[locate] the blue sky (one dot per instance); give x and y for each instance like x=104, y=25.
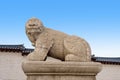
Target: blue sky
x=97, y=21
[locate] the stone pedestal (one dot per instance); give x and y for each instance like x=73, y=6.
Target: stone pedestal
x=44, y=70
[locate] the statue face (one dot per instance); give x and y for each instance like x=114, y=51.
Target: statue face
x=34, y=25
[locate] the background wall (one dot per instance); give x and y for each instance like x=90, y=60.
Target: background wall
x=109, y=72
x=10, y=66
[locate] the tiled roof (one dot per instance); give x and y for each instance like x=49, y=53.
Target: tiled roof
x=28, y=50
x=21, y=46
x=14, y=48
x=107, y=59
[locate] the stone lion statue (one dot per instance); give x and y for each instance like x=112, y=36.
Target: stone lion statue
x=49, y=42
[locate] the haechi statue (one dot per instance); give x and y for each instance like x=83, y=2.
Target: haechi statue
x=49, y=42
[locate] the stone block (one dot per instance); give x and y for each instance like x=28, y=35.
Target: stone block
x=45, y=70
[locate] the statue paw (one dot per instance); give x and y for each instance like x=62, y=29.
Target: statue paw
x=30, y=56
x=35, y=57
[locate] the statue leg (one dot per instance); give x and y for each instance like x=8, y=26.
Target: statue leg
x=42, y=47
x=38, y=55
x=40, y=52
x=76, y=49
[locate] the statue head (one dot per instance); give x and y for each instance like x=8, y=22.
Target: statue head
x=33, y=28
x=34, y=25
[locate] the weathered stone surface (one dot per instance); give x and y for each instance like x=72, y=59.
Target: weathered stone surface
x=55, y=44
x=43, y=70
x=73, y=52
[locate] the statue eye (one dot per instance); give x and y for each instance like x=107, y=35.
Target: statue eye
x=35, y=24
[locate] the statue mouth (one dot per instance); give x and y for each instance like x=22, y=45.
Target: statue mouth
x=33, y=30
x=33, y=24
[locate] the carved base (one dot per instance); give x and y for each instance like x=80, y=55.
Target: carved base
x=44, y=70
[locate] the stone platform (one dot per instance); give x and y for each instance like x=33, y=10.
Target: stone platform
x=43, y=70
